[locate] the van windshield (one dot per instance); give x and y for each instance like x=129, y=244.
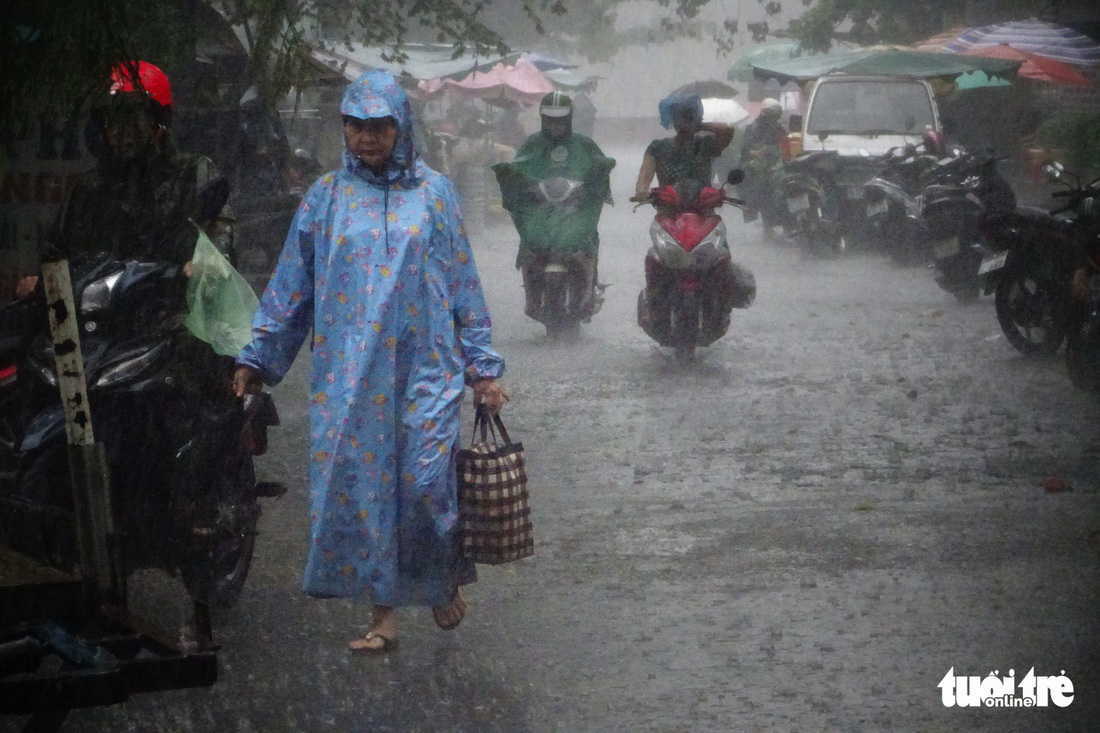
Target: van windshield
x=870, y=107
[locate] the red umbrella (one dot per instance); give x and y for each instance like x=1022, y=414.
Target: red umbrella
x=1034, y=66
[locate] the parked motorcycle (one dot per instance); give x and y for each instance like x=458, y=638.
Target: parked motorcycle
x=1083, y=338
x=893, y=204
x=814, y=202
x=691, y=283
x=179, y=446
x=556, y=218
x=960, y=190
x=1029, y=259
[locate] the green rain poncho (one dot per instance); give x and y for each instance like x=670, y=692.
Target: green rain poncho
x=543, y=225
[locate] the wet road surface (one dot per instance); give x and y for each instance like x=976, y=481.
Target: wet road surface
x=803, y=530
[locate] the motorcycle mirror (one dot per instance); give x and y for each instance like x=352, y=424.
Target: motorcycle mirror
x=212, y=198
x=735, y=176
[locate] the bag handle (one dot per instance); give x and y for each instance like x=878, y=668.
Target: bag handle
x=489, y=423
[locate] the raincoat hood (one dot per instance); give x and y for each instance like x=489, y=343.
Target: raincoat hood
x=377, y=94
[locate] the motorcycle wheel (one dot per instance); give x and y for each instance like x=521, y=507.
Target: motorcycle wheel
x=557, y=317
x=1083, y=356
x=684, y=354
x=1030, y=308
x=685, y=327
x=815, y=235
x=959, y=277
x=908, y=246
x=218, y=562
x=967, y=294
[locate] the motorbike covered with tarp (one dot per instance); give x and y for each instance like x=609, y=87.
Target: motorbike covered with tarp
x=555, y=202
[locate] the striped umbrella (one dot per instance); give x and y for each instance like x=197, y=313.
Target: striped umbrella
x=938, y=41
x=1035, y=36
x=1034, y=66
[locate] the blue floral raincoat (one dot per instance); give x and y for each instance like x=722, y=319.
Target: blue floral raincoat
x=379, y=267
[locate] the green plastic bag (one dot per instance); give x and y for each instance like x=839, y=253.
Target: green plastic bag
x=220, y=301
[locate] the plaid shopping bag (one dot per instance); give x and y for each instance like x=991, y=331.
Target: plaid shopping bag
x=494, y=518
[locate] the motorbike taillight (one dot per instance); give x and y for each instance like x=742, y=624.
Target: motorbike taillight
x=8, y=375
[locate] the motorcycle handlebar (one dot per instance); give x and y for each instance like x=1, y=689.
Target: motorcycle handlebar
x=652, y=199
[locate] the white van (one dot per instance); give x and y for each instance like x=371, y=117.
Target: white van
x=873, y=114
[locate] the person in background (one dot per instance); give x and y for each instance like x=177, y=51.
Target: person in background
x=508, y=129
x=470, y=156
x=688, y=153
x=140, y=199
x=378, y=268
x=762, y=161
x=545, y=226
x=685, y=160
x=584, y=114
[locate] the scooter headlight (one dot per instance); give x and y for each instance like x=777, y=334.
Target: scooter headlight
x=716, y=239
x=129, y=368
x=97, y=295
x=667, y=249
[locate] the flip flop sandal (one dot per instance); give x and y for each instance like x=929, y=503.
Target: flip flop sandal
x=440, y=616
x=388, y=645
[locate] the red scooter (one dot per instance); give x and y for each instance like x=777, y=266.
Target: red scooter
x=691, y=282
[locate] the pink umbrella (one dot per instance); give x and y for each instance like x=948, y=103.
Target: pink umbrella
x=522, y=83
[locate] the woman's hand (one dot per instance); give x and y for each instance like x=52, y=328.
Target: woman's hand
x=247, y=380
x=489, y=392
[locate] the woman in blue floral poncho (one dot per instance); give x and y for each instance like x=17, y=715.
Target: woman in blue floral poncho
x=378, y=266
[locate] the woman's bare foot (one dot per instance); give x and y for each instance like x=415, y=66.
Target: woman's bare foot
x=451, y=614
x=382, y=635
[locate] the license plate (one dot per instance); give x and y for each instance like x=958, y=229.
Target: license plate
x=946, y=248
x=855, y=192
x=877, y=207
x=798, y=203
x=993, y=262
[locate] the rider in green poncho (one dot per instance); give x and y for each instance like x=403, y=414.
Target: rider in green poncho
x=557, y=220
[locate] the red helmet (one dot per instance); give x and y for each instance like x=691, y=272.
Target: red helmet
x=151, y=79
x=151, y=85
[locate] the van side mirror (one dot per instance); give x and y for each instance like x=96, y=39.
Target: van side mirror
x=735, y=176
x=794, y=123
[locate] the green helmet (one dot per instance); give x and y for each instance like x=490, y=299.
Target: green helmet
x=556, y=104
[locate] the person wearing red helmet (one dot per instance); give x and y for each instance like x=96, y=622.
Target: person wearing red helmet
x=139, y=202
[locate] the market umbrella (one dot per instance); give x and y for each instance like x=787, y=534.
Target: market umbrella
x=937, y=42
x=568, y=80
x=709, y=89
x=1034, y=66
x=887, y=61
x=522, y=83
x=742, y=67
x=1056, y=42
